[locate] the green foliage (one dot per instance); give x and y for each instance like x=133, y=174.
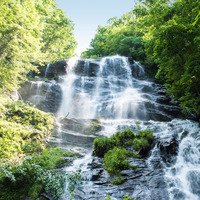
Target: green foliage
x=120, y=36
x=31, y=33
x=116, y=160
x=35, y=175
x=53, y=183
x=15, y=181
x=73, y=179
x=116, y=155
x=22, y=113
x=23, y=129
x=118, y=180
x=52, y=158
x=143, y=139
x=102, y=145
x=171, y=40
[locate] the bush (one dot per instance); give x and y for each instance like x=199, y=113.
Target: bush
x=116, y=160
x=114, y=153
x=23, y=130
x=118, y=181
x=143, y=139
x=147, y=134
x=102, y=146
x=143, y=142
x=52, y=158
x=54, y=183
x=29, y=179
x=16, y=181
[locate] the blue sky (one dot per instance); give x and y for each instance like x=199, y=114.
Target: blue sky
x=88, y=14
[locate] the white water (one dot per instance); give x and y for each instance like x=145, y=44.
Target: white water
x=118, y=99
x=109, y=95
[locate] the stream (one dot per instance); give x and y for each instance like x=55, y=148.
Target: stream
x=92, y=98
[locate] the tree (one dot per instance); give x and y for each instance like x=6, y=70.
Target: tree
x=172, y=41
x=120, y=36
x=32, y=32
x=20, y=41
x=58, y=40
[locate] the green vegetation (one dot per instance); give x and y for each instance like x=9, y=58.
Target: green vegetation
x=52, y=158
x=164, y=35
x=23, y=130
x=139, y=141
x=30, y=179
x=120, y=36
x=116, y=155
x=31, y=33
x=116, y=160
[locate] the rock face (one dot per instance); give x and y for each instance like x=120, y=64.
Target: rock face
x=47, y=96
x=85, y=126
x=56, y=69
x=87, y=67
x=143, y=183
x=169, y=149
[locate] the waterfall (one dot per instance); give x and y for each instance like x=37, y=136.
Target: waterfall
x=108, y=94
x=100, y=97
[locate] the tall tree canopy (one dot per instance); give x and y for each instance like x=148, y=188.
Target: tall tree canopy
x=161, y=33
x=31, y=32
x=120, y=36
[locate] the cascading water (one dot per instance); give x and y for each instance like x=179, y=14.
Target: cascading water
x=108, y=94
x=111, y=95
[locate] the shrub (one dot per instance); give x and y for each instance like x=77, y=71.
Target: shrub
x=23, y=129
x=16, y=181
x=73, y=179
x=52, y=158
x=54, y=183
x=143, y=141
x=102, y=145
x=148, y=134
x=29, y=179
x=116, y=160
x=118, y=180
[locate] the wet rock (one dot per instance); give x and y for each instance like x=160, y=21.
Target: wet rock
x=56, y=69
x=52, y=100
x=137, y=70
x=46, y=196
x=194, y=180
x=87, y=68
x=88, y=127
x=47, y=96
x=184, y=134
x=168, y=149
